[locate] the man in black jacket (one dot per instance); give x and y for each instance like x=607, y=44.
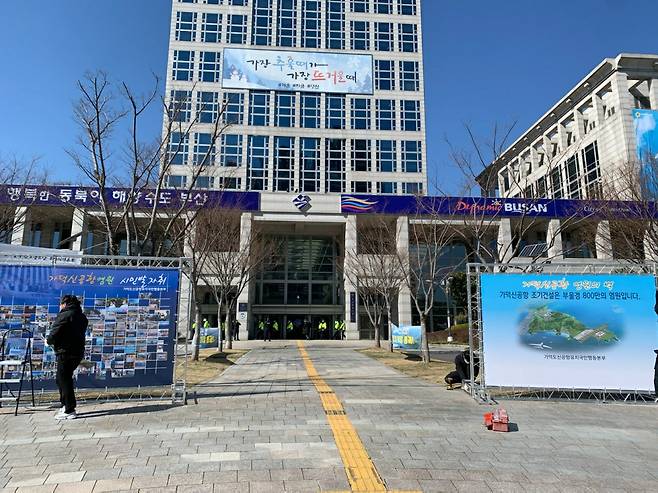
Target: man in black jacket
x=67, y=337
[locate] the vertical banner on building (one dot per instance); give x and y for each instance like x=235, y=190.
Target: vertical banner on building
x=306, y=71
x=571, y=331
x=132, y=321
x=645, y=123
x=352, y=307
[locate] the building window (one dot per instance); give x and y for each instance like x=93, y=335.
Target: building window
x=335, y=25
x=361, y=187
x=592, y=171
x=361, y=114
x=411, y=116
x=236, y=29
x=177, y=181
x=178, y=148
x=412, y=188
x=384, y=75
x=335, y=165
x=572, y=168
x=204, y=150
x=231, y=151
x=556, y=183
x=386, y=156
x=541, y=187
x=311, y=24
x=261, y=29
x=359, y=5
x=387, y=187
x=284, y=115
x=284, y=163
x=207, y=106
x=411, y=156
x=407, y=7
x=183, y=65
x=209, y=67
x=180, y=106
x=233, y=109
x=204, y=182
x=361, y=155
x=409, y=76
x=257, y=162
x=360, y=33
x=310, y=165
x=383, y=36
x=385, y=114
x=287, y=20
x=384, y=6
x=310, y=108
x=211, y=26
x=335, y=112
x=408, y=38
x=230, y=183
x=259, y=109
x=185, y=26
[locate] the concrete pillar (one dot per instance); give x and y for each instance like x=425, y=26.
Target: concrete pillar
x=245, y=317
x=78, y=227
x=351, y=315
x=650, y=247
x=21, y=218
x=554, y=240
x=653, y=93
x=603, y=241
x=505, y=250
x=404, y=296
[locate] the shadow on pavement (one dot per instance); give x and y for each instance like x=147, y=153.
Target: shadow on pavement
x=137, y=409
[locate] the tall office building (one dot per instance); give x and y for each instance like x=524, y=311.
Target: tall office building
x=321, y=96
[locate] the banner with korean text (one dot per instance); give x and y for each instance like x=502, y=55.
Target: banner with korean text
x=406, y=337
x=572, y=331
x=132, y=321
x=297, y=71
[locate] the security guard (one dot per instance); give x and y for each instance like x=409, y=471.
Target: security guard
x=322, y=329
x=341, y=330
x=336, y=329
x=289, y=328
x=261, y=329
x=275, y=328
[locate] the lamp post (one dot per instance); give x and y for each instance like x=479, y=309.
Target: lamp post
x=446, y=287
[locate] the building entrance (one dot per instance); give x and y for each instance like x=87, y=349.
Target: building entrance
x=297, y=326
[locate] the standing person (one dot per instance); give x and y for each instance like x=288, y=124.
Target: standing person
x=307, y=328
x=236, y=330
x=322, y=328
x=267, y=335
x=67, y=337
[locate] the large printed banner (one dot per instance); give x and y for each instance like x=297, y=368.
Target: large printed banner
x=297, y=71
x=646, y=137
x=132, y=321
x=406, y=337
x=571, y=331
x=493, y=207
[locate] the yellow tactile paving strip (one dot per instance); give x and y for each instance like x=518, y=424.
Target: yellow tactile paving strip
x=360, y=470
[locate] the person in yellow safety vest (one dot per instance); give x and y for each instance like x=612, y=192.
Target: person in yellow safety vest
x=193, y=330
x=206, y=324
x=322, y=329
x=339, y=329
x=261, y=329
x=336, y=329
x=342, y=330
x=289, y=328
x=275, y=326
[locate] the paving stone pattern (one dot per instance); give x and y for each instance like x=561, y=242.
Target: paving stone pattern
x=261, y=428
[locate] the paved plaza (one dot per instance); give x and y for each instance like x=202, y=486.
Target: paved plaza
x=264, y=426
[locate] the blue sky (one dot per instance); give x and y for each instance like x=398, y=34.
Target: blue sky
x=485, y=62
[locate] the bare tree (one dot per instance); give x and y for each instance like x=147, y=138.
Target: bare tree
x=139, y=167
x=375, y=270
x=238, y=252
x=421, y=263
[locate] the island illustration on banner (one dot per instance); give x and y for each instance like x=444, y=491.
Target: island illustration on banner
x=560, y=328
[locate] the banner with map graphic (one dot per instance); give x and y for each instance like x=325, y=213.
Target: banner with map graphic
x=569, y=331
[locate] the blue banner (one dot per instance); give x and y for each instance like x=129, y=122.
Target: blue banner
x=571, y=331
x=406, y=337
x=492, y=207
x=209, y=338
x=132, y=321
x=645, y=123
x=306, y=71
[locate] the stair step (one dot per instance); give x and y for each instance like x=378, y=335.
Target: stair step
x=10, y=380
x=8, y=399
x=11, y=362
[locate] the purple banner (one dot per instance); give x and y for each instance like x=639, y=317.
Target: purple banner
x=90, y=197
x=497, y=207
